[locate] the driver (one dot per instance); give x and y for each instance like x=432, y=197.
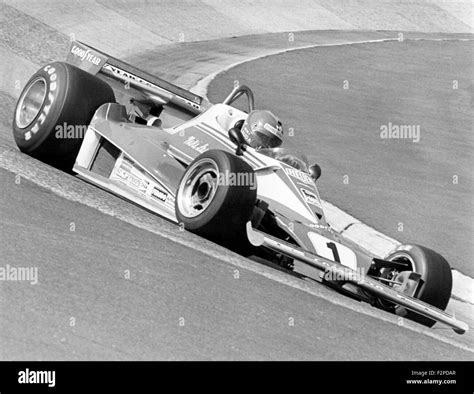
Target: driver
x=261, y=129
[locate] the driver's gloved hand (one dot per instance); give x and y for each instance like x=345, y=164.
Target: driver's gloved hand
x=237, y=128
x=238, y=124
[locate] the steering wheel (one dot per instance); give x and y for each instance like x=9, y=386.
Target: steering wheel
x=239, y=91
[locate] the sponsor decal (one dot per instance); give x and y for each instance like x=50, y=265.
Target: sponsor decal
x=246, y=134
x=132, y=180
x=196, y=144
x=167, y=95
x=310, y=197
x=85, y=55
x=323, y=227
x=275, y=131
x=133, y=77
x=300, y=175
x=138, y=180
x=159, y=194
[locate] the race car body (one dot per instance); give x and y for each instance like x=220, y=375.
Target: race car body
x=151, y=162
x=177, y=155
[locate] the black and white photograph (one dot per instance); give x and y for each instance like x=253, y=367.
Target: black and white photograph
x=247, y=181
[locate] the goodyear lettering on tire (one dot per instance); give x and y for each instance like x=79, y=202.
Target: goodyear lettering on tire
x=49, y=102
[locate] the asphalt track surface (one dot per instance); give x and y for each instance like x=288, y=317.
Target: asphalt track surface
x=84, y=307
x=382, y=182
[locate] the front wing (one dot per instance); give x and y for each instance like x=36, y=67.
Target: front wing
x=258, y=238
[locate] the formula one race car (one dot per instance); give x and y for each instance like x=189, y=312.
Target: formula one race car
x=179, y=156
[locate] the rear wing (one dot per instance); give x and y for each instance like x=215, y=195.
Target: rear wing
x=132, y=82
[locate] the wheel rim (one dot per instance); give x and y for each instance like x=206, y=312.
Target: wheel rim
x=30, y=103
x=395, y=275
x=198, y=188
x=403, y=257
x=391, y=276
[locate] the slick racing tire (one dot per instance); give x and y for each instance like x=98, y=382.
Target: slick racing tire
x=211, y=205
x=436, y=276
x=53, y=112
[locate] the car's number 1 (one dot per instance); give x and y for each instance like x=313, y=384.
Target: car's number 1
x=333, y=251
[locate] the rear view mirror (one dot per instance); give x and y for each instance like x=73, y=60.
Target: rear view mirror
x=315, y=170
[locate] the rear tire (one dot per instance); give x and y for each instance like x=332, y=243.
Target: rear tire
x=53, y=112
x=214, y=209
x=435, y=273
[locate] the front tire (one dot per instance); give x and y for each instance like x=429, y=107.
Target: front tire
x=53, y=112
x=435, y=273
x=209, y=204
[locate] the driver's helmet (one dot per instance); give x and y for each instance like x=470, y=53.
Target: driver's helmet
x=262, y=129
